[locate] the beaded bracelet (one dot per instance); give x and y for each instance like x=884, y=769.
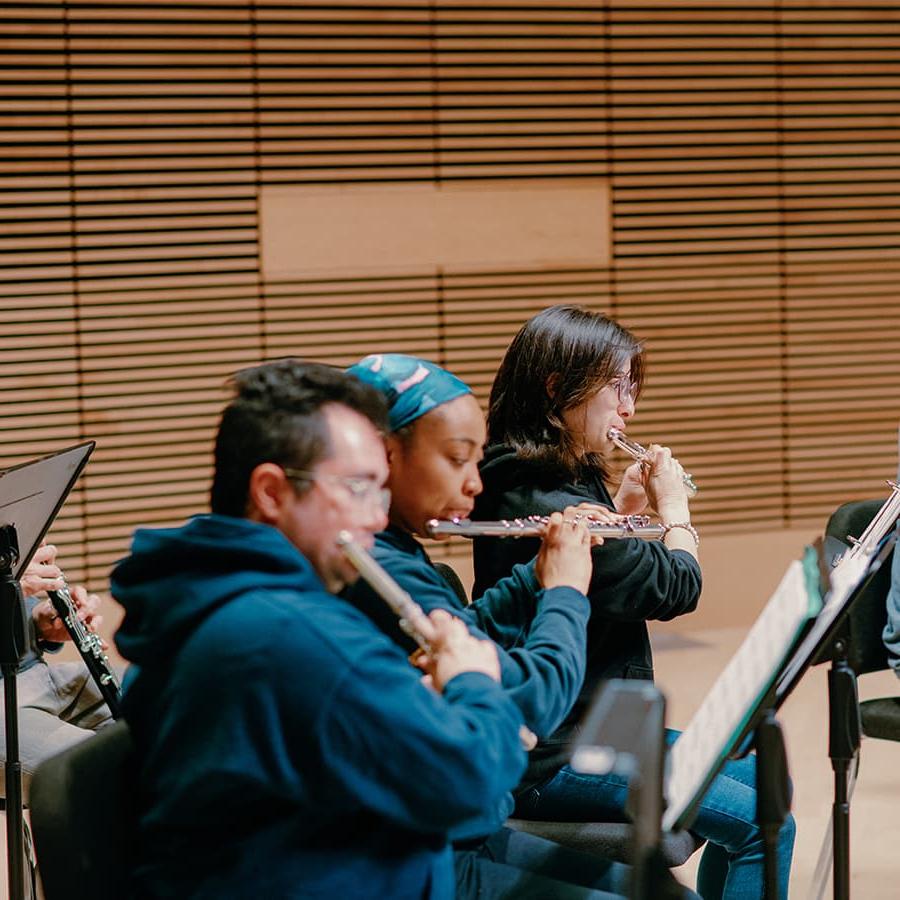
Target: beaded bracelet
x=686, y=526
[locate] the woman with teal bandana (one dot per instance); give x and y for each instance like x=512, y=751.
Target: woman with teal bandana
x=536, y=616
x=435, y=444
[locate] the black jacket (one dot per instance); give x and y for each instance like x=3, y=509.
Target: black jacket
x=633, y=580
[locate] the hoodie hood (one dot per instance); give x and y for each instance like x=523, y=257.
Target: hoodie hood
x=176, y=577
x=503, y=469
x=500, y=464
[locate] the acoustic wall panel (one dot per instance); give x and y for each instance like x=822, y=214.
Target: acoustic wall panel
x=742, y=157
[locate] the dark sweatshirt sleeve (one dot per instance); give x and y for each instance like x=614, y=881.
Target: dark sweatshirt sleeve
x=505, y=611
x=633, y=579
x=636, y=580
x=540, y=635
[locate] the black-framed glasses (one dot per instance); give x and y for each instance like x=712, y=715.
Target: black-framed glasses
x=361, y=489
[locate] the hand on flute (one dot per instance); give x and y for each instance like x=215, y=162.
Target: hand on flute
x=565, y=555
x=452, y=651
x=657, y=481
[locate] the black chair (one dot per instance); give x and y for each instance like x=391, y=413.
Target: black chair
x=449, y=574
x=865, y=621
x=83, y=817
x=611, y=840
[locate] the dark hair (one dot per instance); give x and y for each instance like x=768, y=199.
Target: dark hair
x=560, y=358
x=276, y=416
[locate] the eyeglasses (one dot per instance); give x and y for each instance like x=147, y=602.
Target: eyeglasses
x=624, y=387
x=362, y=490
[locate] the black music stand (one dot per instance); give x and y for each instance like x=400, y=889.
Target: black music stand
x=739, y=713
x=31, y=496
x=825, y=641
x=624, y=732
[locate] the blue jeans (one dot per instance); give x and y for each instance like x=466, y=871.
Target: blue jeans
x=732, y=864
x=519, y=866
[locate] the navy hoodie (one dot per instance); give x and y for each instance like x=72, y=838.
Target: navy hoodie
x=286, y=746
x=540, y=636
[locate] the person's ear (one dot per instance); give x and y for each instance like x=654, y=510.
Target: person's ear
x=393, y=448
x=267, y=492
x=551, y=385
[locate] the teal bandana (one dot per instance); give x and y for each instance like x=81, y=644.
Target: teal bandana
x=411, y=386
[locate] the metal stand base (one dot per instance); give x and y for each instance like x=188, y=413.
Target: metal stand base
x=773, y=795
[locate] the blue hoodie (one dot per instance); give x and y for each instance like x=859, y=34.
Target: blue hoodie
x=540, y=634
x=540, y=637
x=286, y=745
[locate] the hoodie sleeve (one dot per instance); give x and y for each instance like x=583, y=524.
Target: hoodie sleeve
x=636, y=580
x=424, y=761
x=540, y=635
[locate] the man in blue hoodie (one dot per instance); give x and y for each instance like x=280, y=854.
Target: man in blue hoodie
x=287, y=748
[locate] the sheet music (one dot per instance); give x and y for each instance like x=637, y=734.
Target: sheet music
x=698, y=753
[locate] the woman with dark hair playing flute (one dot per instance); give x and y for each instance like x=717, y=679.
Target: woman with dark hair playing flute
x=568, y=378
x=538, y=614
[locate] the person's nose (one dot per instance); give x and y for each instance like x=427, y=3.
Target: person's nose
x=376, y=515
x=627, y=407
x=472, y=486
x=379, y=520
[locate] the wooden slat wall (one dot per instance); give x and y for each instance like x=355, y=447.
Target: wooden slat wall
x=753, y=158
x=696, y=175
x=841, y=113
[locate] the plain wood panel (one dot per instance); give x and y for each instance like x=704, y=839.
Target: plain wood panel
x=451, y=228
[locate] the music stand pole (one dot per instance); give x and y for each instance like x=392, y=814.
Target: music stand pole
x=13, y=635
x=773, y=794
x=650, y=877
x=843, y=745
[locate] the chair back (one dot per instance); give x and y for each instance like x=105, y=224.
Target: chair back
x=449, y=574
x=868, y=615
x=84, y=817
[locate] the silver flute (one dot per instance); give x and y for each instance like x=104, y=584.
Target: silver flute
x=638, y=452
x=533, y=526
x=412, y=617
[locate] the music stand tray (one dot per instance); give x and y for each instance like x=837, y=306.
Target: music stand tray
x=33, y=493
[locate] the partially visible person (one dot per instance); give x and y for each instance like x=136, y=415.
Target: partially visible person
x=568, y=376
x=892, y=629
x=59, y=703
x=287, y=748
x=536, y=616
